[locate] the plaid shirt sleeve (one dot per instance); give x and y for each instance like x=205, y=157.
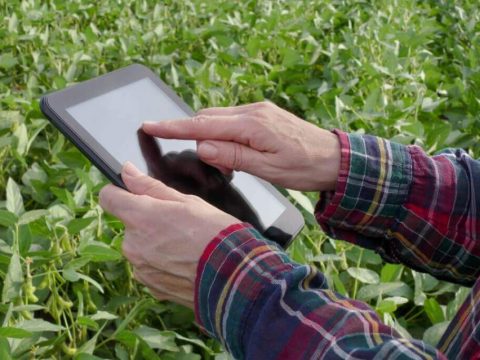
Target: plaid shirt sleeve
x=391, y=198
x=411, y=208
x=262, y=305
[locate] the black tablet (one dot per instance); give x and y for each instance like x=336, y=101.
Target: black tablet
x=103, y=118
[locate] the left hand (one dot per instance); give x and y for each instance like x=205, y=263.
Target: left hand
x=165, y=232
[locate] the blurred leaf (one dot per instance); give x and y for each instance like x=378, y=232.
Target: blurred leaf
x=73, y=276
x=100, y=253
x=419, y=297
x=77, y=225
x=162, y=340
x=386, y=306
x=434, y=311
x=13, y=279
x=5, y=353
x=86, y=356
x=7, y=218
x=302, y=200
x=21, y=136
x=368, y=292
x=14, y=198
x=31, y=216
x=434, y=333
x=88, y=322
x=7, y=61
x=364, y=275
x=103, y=315
x=12, y=332
x=390, y=272
x=37, y=325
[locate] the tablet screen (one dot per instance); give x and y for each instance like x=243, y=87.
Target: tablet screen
x=115, y=118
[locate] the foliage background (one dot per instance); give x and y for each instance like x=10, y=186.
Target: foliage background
x=402, y=69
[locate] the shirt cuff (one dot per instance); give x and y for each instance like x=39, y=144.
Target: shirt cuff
x=373, y=183
x=226, y=286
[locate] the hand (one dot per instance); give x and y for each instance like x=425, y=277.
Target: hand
x=186, y=173
x=165, y=232
x=263, y=140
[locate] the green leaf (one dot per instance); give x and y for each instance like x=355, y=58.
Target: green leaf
x=80, y=195
x=5, y=248
x=364, y=275
x=77, y=225
x=73, y=276
x=86, y=356
x=13, y=279
x=7, y=218
x=197, y=342
x=133, y=341
x=38, y=325
x=419, y=297
x=88, y=322
x=21, y=136
x=390, y=272
x=156, y=339
x=14, y=198
x=77, y=263
x=291, y=57
x=339, y=286
x=139, y=307
x=326, y=257
x=429, y=104
x=7, y=61
x=434, y=333
x=13, y=332
x=386, y=306
x=302, y=200
x=88, y=347
x=369, y=292
x=434, y=311
x=103, y=315
x=397, y=300
x=29, y=307
x=5, y=352
x=100, y=253
x=31, y=216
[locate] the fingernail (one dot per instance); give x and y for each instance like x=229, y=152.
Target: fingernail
x=131, y=170
x=148, y=123
x=207, y=150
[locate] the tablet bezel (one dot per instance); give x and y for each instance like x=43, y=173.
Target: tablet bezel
x=54, y=106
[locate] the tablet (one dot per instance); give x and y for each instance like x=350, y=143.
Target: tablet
x=103, y=118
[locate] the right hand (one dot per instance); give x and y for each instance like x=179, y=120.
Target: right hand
x=263, y=140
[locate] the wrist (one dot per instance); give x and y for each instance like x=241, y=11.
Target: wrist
x=327, y=161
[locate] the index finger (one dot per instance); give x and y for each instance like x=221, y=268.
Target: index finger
x=228, y=110
x=235, y=128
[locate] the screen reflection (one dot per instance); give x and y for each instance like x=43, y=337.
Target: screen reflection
x=185, y=172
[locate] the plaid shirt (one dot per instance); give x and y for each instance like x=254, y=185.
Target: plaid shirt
x=419, y=210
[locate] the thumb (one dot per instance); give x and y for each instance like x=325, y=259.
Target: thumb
x=141, y=184
x=230, y=155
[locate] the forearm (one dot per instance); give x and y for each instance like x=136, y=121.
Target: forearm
x=262, y=305
x=411, y=208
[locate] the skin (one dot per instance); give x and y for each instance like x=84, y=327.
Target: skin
x=166, y=231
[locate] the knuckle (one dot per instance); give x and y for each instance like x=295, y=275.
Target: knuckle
x=237, y=157
x=189, y=198
x=256, y=121
x=199, y=119
x=257, y=115
x=263, y=105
